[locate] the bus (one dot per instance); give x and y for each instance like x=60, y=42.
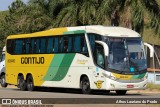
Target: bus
x=89, y=58
x=2, y=68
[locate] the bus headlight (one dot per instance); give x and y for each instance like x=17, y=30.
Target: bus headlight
x=109, y=76
x=113, y=78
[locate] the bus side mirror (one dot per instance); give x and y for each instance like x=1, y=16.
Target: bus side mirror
x=105, y=46
x=150, y=48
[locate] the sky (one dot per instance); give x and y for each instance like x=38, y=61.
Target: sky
x=5, y=3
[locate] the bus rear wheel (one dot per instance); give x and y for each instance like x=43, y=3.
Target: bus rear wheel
x=85, y=85
x=30, y=83
x=121, y=92
x=3, y=82
x=21, y=83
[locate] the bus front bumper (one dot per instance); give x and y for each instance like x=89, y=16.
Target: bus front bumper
x=115, y=85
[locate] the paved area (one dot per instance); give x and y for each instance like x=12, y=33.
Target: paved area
x=14, y=92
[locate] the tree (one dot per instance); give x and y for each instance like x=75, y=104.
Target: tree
x=24, y=18
x=76, y=13
x=131, y=13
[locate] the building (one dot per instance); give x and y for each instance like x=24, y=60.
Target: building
x=153, y=76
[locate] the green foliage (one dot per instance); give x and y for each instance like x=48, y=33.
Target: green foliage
x=152, y=86
x=39, y=15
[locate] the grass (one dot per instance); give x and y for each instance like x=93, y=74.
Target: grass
x=152, y=86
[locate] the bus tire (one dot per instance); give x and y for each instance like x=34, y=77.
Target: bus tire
x=3, y=82
x=85, y=85
x=121, y=92
x=30, y=83
x=22, y=83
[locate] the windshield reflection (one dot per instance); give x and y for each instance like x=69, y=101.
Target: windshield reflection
x=126, y=54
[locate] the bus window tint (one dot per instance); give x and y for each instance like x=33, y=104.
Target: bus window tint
x=50, y=45
x=47, y=45
x=43, y=45
x=37, y=45
x=92, y=38
x=83, y=44
x=27, y=47
x=92, y=42
x=70, y=44
x=18, y=46
x=61, y=42
x=77, y=44
x=10, y=46
x=56, y=45
x=65, y=44
x=33, y=45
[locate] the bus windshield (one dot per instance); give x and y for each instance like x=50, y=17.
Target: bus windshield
x=126, y=55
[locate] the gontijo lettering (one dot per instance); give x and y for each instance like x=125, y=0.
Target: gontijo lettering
x=32, y=60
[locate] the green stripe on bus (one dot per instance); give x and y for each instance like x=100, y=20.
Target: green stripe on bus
x=68, y=32
x=79, y=31
x=54, y=66
x=135, y=76
x=141, y=76
x=138, y=76
x=64, y=67
x=75, y=32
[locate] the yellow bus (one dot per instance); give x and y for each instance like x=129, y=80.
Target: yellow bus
x=85, y=57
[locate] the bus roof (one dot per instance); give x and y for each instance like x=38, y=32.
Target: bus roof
x=98, y=29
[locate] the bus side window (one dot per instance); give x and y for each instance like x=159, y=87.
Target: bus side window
x=100, y=56
x=77, y=44
x=33, y=47
x=18, y=46
x=43, y=45
x=61, y=44
x=83, y=44
x=50, y=45
x=92, y=42
x=56, y=43
x=28, y=46
x=10, y=46
x=37, y=42
x=70, y=44
x=65, y=43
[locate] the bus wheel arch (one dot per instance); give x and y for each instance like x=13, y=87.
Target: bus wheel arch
x=85, y=84
x=30, y=82
x=2, y=80
x=21, y=83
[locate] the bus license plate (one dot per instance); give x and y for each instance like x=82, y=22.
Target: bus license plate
x=130, y=86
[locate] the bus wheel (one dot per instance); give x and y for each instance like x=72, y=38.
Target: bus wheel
x=3, y=82
x=22, y=83
x=121, y=92
x=30, y=84
x=85, y=85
